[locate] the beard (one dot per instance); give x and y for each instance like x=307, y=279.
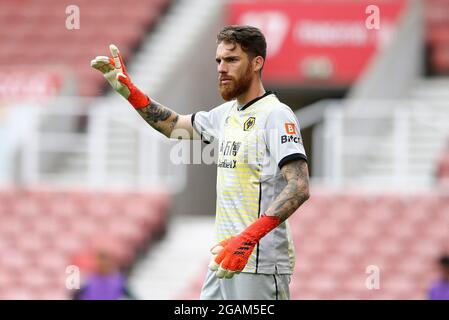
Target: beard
x=237, y=86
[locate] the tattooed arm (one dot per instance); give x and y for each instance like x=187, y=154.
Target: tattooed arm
x=295, y=193
x=165, y=120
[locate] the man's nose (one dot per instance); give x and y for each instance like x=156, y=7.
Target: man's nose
x=221, y=68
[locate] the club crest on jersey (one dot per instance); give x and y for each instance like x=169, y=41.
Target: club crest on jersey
x=249, y=124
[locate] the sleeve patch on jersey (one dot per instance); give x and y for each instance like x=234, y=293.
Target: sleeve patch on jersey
x=290, y=128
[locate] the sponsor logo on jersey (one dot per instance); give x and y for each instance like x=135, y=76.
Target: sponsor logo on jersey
x=290, y=128
x=290, y=138
x=227, y=164
x=230, y=148
x=249, y=123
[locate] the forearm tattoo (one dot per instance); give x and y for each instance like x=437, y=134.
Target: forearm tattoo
x=159, y=117
x=295, y=193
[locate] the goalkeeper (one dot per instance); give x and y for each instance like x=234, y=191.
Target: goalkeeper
x=262, y=173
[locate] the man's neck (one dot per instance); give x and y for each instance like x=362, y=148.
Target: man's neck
x=255, y=90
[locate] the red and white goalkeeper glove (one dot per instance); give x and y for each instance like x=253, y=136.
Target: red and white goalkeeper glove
x=114, y=70
x=231, y=255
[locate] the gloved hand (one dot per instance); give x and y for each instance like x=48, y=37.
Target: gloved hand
x=231, y=255
x=215, y=250
x=114, y=71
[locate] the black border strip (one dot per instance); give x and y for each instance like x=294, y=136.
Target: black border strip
x=280, y=309
x=291, y=157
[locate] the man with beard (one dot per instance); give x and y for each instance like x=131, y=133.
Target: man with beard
x=262, y=173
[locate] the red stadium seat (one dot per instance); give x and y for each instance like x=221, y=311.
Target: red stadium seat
x=34, y=33
x=15, y=260
x=129, y=232
x=45, y=232
x=402, y=235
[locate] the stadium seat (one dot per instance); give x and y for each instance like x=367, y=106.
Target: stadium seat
x=339, y=246
x=47, y=231
x=33, y=33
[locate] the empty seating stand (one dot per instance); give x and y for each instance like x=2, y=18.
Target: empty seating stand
x=341, y=238
x=35, y=33
x=42, y=233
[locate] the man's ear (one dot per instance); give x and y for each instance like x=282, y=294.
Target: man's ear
x=258, y=63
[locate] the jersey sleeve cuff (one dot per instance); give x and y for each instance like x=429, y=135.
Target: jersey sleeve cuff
x=291, y=157
x=192, y=120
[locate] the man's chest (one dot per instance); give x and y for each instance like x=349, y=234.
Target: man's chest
x=242, y=139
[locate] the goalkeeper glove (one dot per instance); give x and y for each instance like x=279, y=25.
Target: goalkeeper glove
x=114, y=70
x=231, y=255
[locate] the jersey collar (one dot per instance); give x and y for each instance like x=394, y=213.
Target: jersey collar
x=254, y=101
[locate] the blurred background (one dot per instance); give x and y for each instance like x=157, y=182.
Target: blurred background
x=86, y=187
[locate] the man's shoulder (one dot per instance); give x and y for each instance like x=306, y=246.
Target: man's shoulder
x=224, y=106
x=276, y=107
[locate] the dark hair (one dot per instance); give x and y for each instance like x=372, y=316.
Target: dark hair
x=251, y=39
x=444, y=260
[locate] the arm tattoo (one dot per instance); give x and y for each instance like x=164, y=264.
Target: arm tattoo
x=159, y=117
x=295, y=193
